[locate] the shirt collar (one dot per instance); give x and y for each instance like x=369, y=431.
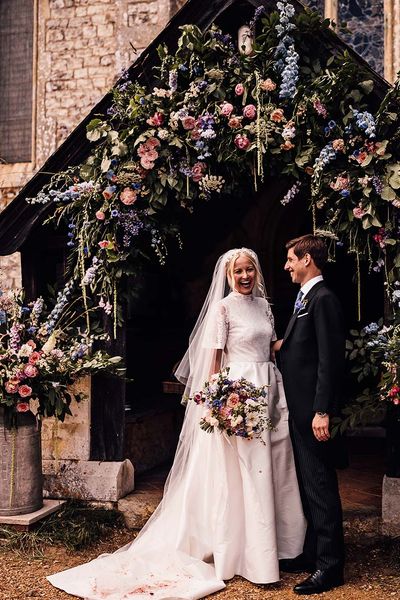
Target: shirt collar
x=310, y=284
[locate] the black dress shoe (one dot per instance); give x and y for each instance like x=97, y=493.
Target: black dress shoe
x=296, y=565
x=320, y=581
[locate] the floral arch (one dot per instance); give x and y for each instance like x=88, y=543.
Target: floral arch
x=215, y=116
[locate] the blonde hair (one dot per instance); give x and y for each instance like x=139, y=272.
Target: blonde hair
x=231, y=258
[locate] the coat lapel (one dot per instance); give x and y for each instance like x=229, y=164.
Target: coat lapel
x=307, y=297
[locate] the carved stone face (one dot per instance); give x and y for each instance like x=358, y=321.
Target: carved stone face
x=245, y=40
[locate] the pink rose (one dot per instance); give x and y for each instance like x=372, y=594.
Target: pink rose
x=146, y=163
x=198, y=171
x=268, y=85
x=31, y=343
x=188, y=122
x=242, y=141
x=235, y=122
x=30, y=371
x=128, y=196
x=34, y=357
x=11, y=386
x=239, y=89
x=232, y=400
x=24, y=391
x=249, y=111
x=100, y=215
x=22, y=407
x=195, y=134
x=156, y=120
x=104, y=244
x=277, y=115
x=358, y=212
x=226, y=109
x=151, y=155
x=152, y=142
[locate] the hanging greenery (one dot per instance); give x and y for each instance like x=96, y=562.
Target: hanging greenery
x=214, y=120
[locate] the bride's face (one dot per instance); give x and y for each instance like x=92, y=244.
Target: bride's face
x=244, y=275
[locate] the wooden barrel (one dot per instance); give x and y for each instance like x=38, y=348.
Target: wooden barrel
x=21, y=479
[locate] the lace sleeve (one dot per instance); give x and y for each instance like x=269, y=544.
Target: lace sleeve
x=272, y=321
x=217, y=329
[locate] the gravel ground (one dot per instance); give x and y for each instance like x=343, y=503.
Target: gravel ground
x=372, y=571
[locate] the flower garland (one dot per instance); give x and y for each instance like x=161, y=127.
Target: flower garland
x=215, y=118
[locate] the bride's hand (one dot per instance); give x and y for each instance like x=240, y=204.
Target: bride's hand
x=276, y=346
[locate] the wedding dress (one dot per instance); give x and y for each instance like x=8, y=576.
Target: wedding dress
x=233, y=507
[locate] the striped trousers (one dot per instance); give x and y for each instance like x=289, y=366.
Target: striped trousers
x=324, y=543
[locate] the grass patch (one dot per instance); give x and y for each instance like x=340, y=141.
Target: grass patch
x=75, y=526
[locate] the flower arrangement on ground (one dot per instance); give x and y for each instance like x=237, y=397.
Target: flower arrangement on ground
x=235, y=407
x=42, y=354
x=374, y=353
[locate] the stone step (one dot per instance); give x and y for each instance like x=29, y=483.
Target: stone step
x=138, y=506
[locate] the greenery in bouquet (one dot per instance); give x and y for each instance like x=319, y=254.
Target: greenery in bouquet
x=43, y=353
x=235, y=407
x=374, y=353
x=211, y=121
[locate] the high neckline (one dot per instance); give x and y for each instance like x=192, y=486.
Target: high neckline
x=245, y=297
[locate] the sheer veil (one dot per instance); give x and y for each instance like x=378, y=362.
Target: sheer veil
x=195, y=367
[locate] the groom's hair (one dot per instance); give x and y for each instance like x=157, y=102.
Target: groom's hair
x=312, y=245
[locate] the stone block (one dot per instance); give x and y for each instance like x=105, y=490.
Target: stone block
x=138, y=507
x=391, y=506
x=88, y=480
x=69, y=440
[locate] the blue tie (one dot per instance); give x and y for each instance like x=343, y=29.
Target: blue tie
x=298, y=304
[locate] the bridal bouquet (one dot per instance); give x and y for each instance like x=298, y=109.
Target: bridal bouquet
x=236, y=407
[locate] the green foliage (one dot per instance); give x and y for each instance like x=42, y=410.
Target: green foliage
x=75, y=526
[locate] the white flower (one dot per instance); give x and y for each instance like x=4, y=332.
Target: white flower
x=25, y=350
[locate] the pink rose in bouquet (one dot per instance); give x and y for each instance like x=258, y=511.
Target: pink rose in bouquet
x=22, y=407
x=24, y=390
x=128, y=196
x=226, y=109
x=235, y=122
x=198, y=171
x=242, y=141
x=100, y=215
x=30, y=370
x=239, y=89
x=34, y=357
x=249, y=111
x=11, y=386
x=189, y=122
x=156, y=120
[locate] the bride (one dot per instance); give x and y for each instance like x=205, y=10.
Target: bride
x=231, y=506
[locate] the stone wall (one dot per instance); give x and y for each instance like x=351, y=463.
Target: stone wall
x=81, y=48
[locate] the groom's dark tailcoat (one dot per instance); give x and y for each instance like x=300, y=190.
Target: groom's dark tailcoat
x=312, y=361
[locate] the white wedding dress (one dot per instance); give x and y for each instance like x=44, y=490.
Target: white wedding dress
x=232, y=506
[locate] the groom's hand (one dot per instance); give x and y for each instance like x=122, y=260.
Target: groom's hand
x=320, y=427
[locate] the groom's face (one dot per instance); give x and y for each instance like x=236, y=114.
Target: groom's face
x=296, y=267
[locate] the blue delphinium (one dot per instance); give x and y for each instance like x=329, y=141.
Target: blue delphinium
x=62, y=299
x=288, y=197
x=365, y=122
x=285, y=55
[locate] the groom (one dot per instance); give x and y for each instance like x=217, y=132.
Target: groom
x=312, y=361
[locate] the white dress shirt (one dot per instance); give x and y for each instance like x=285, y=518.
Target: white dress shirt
x=310, y=284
